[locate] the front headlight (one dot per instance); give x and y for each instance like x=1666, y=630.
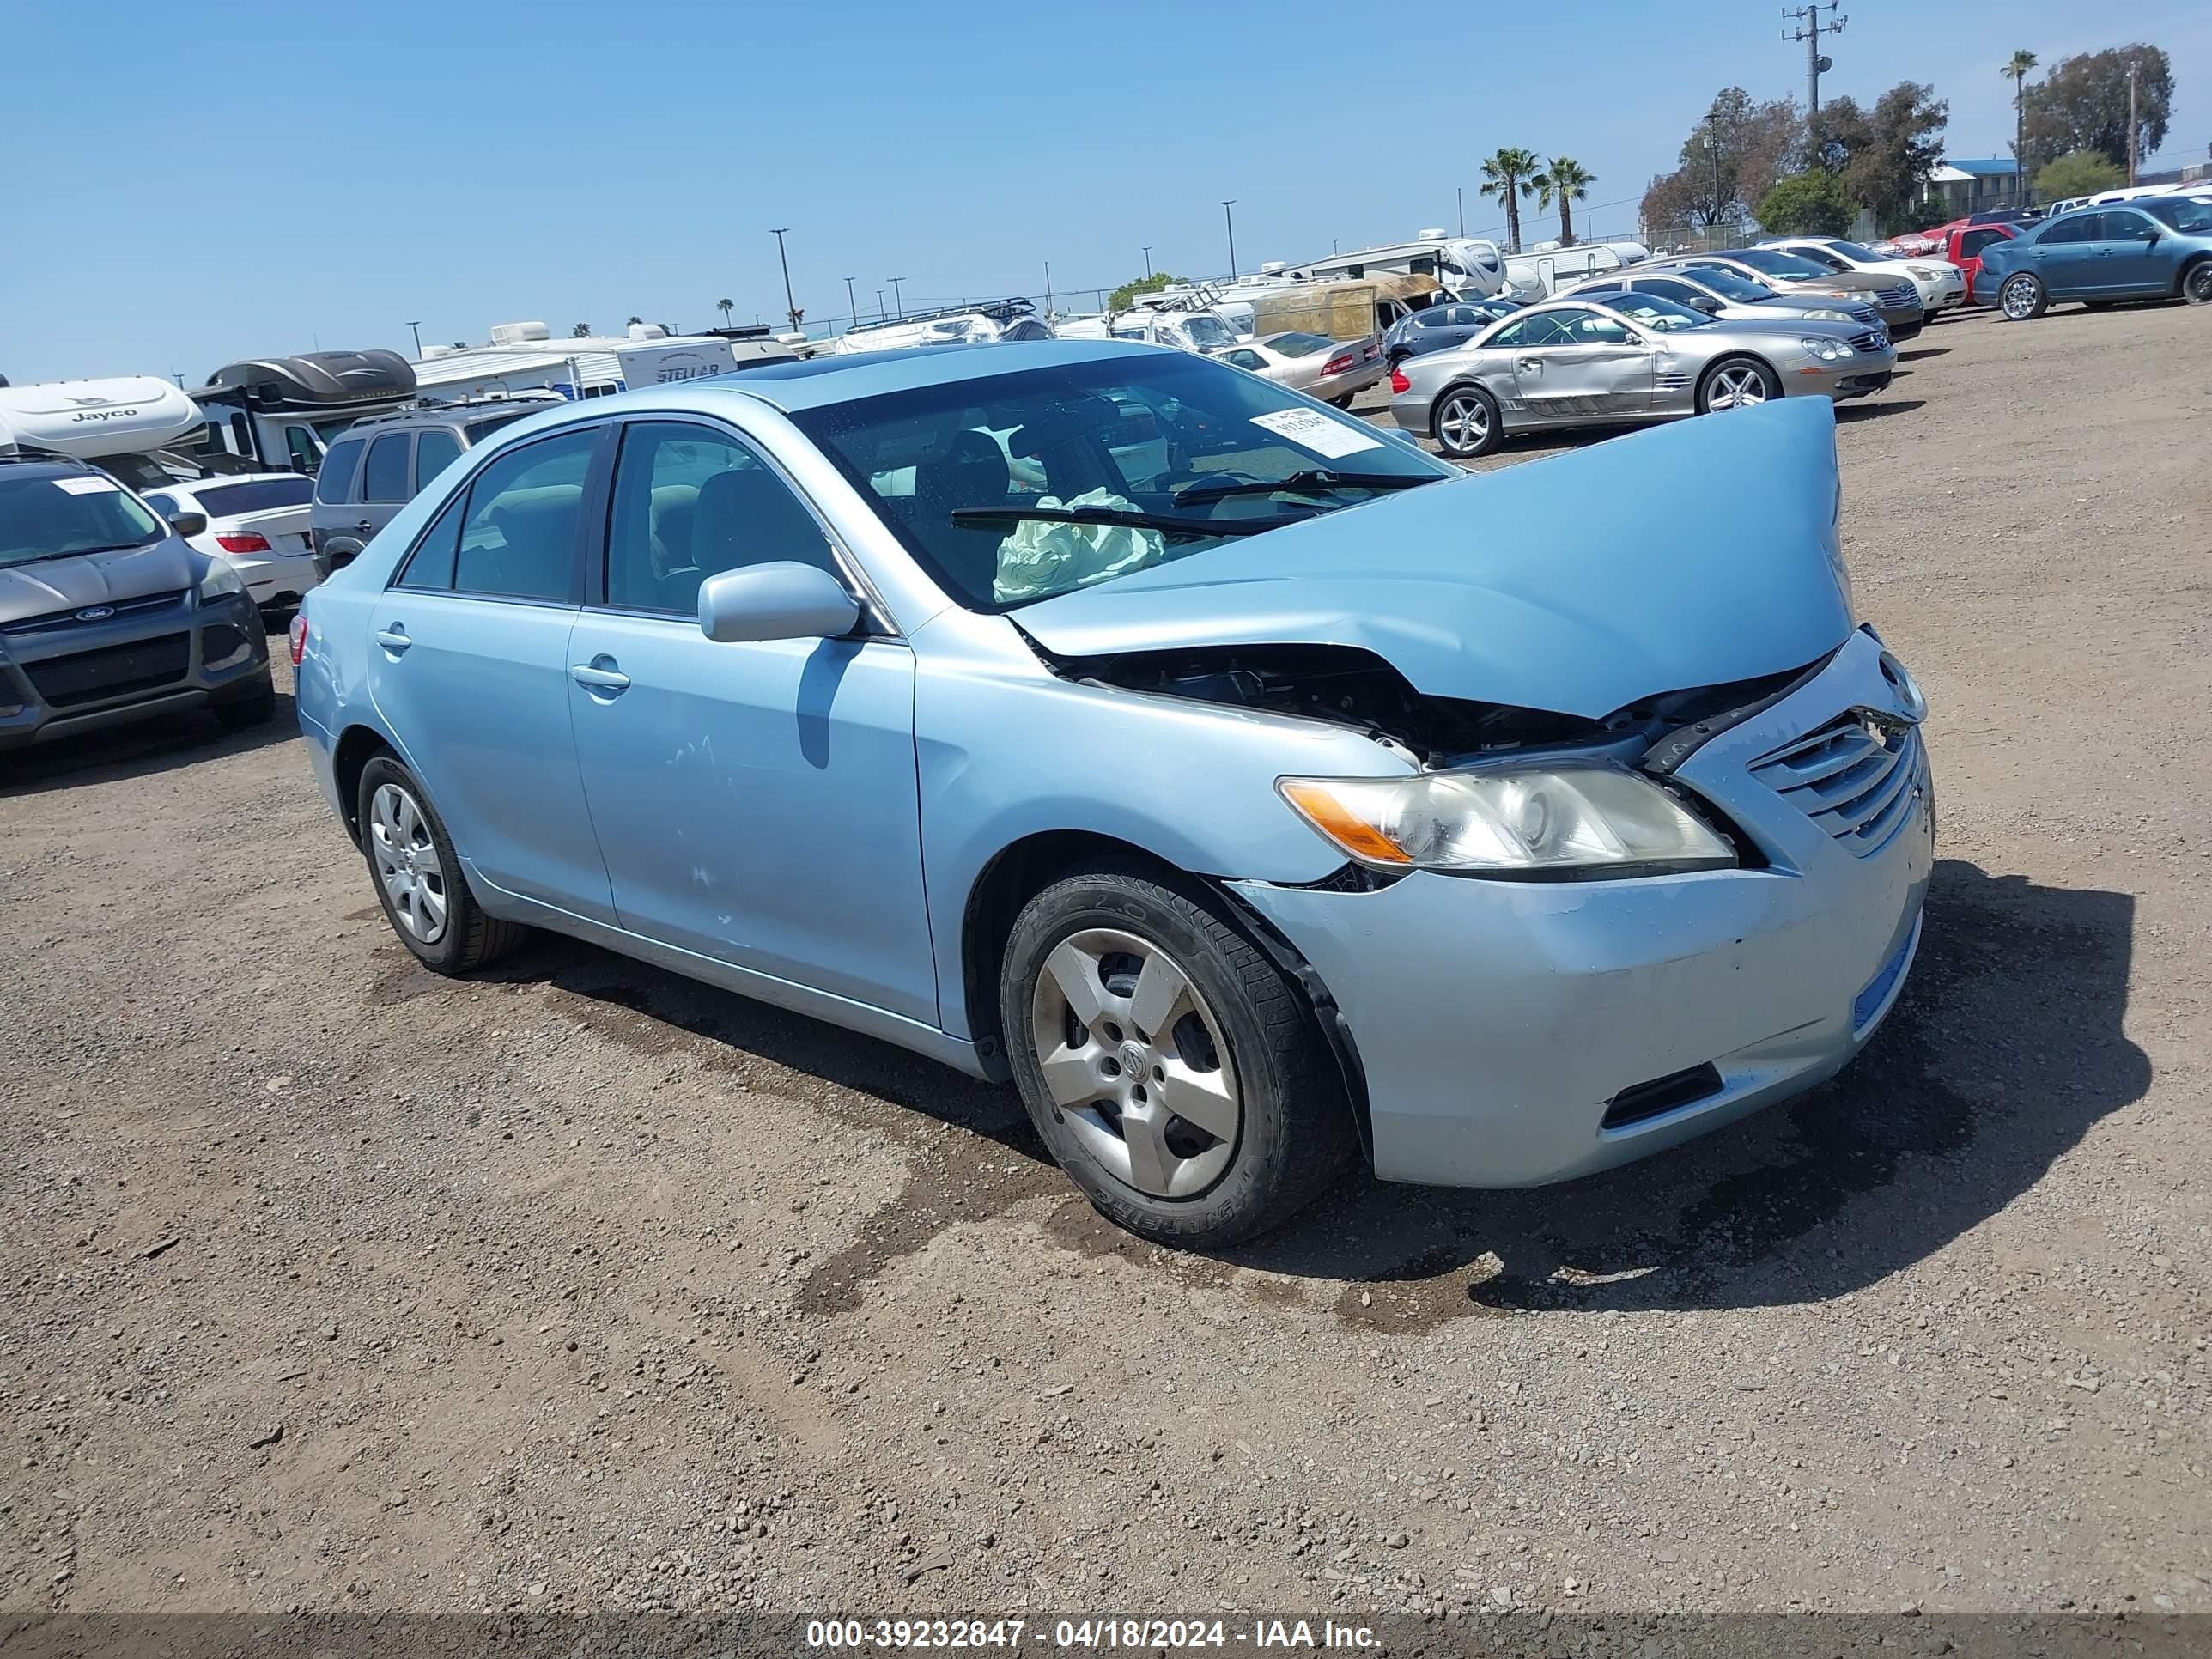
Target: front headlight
x=1827, y=350
x=1925, y=273
x=1509, y=821
x=221, y=579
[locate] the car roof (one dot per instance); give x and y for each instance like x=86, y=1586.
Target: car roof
x=44, y=466
x=817, y=382
x=219, y=479
x=450, y=415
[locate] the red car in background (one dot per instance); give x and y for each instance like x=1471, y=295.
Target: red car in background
x=1962, y=242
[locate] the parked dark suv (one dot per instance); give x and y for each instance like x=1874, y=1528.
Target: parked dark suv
x=375, y=466
x=108, y=615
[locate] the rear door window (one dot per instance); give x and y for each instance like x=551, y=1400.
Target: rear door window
x=385, y=477
x=518, y=535
x=332, y=482
x=436, y=449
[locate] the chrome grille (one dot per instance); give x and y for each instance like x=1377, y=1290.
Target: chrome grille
x=145, y=606
x=1855, y=780
x=1902, y=295
x=1873, y=340
x=1866, y=315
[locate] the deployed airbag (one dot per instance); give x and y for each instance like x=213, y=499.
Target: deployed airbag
x=1041, y=557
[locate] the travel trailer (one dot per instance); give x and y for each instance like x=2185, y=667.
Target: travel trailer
x=525, y=357
x=1470, y=267
x=1547, y=267
x=1184, y=331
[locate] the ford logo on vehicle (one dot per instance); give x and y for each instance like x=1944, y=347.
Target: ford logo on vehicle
x=96, y=613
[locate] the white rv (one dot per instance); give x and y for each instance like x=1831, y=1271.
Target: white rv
x=1469, y=267
x=1183, y=330
x=977, y=325
x=525, y=357
x=123, y=424
x=1547, y=267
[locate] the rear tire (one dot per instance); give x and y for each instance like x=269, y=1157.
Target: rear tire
x=1737, y=383
x=418, y=878
x=1467, y=422
x=2021, y=297
x=1127, y=998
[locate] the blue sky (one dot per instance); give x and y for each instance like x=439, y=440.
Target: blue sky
x=190, y=184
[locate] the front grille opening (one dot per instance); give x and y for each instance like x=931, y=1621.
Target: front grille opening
x=1661, y=1094
x=112, y=671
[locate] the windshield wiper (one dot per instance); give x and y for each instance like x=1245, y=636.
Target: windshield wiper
x=1310, y=479
x=1114, y=515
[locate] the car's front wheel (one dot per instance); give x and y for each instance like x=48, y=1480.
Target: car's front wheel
x=1172, y=1070
x=418, y=878
x=2196, y=283
x=1737, y=383
x=1467, y=422
x=2022, y=298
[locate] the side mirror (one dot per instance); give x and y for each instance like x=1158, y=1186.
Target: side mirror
x=2148, y=233
x=189, y=523
x=781, y=601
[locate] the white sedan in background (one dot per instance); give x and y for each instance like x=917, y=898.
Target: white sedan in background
x=1942, y=285
x=1332, y=370
x=257, y=521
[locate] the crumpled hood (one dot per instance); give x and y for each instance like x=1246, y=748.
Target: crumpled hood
x=49, y=585
x=1697, y=554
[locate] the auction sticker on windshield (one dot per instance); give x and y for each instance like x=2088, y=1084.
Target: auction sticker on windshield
x=87, y=486
x=1309, y=429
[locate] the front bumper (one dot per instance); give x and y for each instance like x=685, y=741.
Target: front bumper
x=1499, y=1023
x=71, y=677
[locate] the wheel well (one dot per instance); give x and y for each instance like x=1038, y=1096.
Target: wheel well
x=1017, y=875
x=357, y=746
x=2181, y=277
x=1773, y=375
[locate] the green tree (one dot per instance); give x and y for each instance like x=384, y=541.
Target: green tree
x=2015, y=70
x=726, y=306
x=1731, y=159
x=2082, y=104
x=1566, y=181
x=2078, y=173
x=1883, y=155
x=1122, y=298
x=1809, y=203
x=1508, y=176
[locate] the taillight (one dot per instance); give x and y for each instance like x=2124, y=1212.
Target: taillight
x=242, y=540
x=1398, y=382
x=1338, y=364
x=299, y=636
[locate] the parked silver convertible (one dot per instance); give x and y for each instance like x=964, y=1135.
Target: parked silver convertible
x=1622, y=359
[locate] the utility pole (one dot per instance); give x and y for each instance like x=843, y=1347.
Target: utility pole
x=852, y=302
x=1047, y=291
x=790, y=306
x=2132, y=65
x=882, y=315
x=1460, y=191
x=417, y=325
x=1230, y=219
x=1148, y=264
x=1809, y=29
x=898, y=304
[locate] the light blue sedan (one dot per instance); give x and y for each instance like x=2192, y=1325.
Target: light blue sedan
x=2153, y=247
x=1251, y=788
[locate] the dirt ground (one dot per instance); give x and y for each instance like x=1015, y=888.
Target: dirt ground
x=332, y=1285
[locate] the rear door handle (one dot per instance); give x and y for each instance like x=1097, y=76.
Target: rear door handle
x=598, y=678
x=394, y=638
x=365, y=527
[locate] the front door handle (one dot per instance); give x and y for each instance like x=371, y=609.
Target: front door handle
x=599, y=675
x=393, y=639
x=366, y=527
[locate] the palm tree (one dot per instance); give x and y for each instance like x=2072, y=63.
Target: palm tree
x=635, y=320
x=2015, y=70
x=1506, y=176
x=726, y=306
x=581, y=331
x=1566, y=181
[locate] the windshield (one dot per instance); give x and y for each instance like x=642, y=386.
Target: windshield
x=1653, y=311
x=1209, y=333
x=1788, y=266
x=2186, y=214
x=1733, y=285
x=1857, y=253
x=49, y=516
x=1126, y=437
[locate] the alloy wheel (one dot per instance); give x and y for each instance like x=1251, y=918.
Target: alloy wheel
x=407, y=862
x=1135, y=1062
x=1464, y=421
x=2198, y=287
x=1737, y=386
x=2018, y=298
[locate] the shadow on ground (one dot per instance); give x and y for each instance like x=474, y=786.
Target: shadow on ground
x=160, y=744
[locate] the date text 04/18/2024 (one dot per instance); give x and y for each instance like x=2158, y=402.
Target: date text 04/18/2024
x=1143, y=1634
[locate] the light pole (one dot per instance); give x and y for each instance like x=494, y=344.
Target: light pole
x=417, y=327
x=898, y=303
x=1148, y=264
x=1460, y=191
x=882, y=315
x=1047, y=291
x=790, y=306
x=852, y=302
x=1230, y=220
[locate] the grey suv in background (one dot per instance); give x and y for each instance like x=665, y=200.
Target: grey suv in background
x=376, y=465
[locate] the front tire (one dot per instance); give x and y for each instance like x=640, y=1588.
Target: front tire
x=2022, y=298
x=1737, y=383
x=2196, y=283
x=1467, y=422
x=418, y=878
x=1172, y=1070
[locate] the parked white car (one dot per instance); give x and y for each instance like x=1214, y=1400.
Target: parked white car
x=258, y=523
x=1942, y=285
x=1335, y=371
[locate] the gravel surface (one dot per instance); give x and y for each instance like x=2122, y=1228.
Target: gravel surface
x=333, y=1284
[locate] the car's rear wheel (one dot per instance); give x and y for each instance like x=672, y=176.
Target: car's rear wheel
x=2022, y=298
x=1172, y=1070
x=418, y=878
x=1737, y=383
x=1467, y=422
x=2196, y=283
